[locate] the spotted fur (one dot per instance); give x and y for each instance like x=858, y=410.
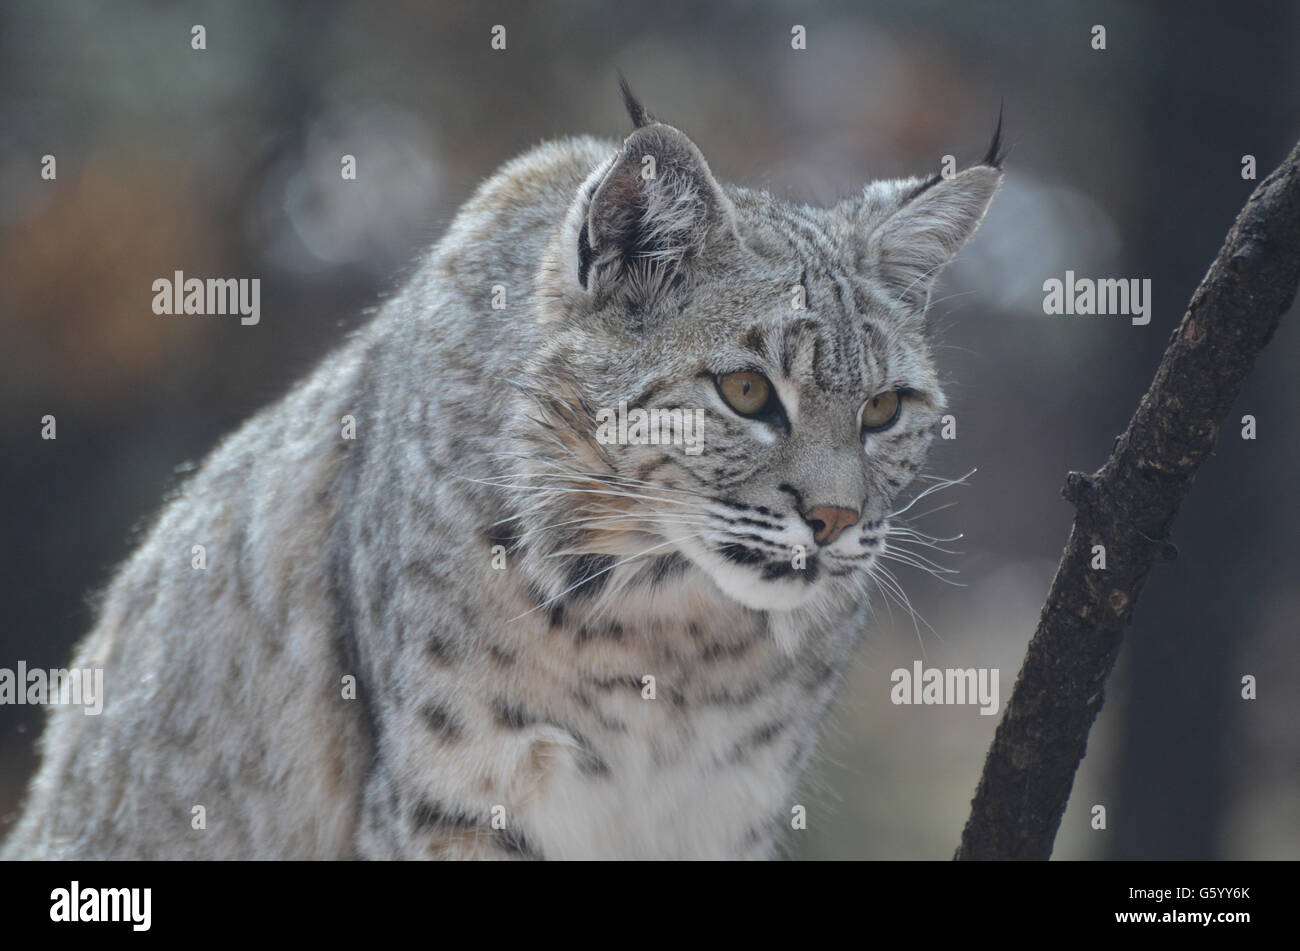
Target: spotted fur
x=505, y=712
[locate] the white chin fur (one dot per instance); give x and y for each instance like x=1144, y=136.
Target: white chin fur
x=744, y=585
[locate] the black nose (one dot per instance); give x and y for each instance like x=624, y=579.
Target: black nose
x=827, y=521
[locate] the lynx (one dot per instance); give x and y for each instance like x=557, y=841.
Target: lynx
x=438, y=618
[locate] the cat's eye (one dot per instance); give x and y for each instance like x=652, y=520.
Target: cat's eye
x=747, y=393
x=881, y=411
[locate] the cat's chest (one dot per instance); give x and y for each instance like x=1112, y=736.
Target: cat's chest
x=690, y=738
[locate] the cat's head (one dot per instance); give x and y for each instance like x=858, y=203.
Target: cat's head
x=797, y=335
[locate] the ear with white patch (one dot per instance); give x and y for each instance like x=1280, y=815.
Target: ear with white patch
x=906, y=251
x=653, y=211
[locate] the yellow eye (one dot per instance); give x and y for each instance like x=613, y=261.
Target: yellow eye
x=746, y=393
x=881, y=411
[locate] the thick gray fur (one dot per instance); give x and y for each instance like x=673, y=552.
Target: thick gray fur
x=504, y=711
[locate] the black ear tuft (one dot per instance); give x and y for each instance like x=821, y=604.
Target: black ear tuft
x=640, y=118
x=996, y=152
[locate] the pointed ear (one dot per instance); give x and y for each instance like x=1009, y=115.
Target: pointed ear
x=653, y=211
x=908, y=249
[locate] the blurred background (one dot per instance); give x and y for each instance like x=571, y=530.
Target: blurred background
x=1124, y=163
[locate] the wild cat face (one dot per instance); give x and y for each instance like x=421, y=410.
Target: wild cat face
x=733, y=382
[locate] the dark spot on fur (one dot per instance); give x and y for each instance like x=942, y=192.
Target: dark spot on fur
x=762, y=736
x=613, y=683
x=507, y=534
x=588, y=574
x=585, y=701
x=723, y=697
x=423, y=572
x=766, y=734
x=668, y=568
x=646, y=468
x=432, y=815
x=554, y=609
x=442, y=649
x=443, y=722
x=784, y=569
x=753, y=341
x=720, y=649
x=590, y=763
x=516, y=843
x=755, y=836
x=511, y=715
x=741, y=554
x=794, y=494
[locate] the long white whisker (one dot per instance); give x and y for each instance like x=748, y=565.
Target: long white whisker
x=946, y=483
x=928, y=512
x=607, y=479
x=903, y=544
x=571, y=490
x=920, y=561
x=922, y=537
x=930, y=571
x=888, y=576
x=602, y=571
x=900, y=548
x=636, y=519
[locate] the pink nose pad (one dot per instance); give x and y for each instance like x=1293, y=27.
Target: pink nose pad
x=827, y=521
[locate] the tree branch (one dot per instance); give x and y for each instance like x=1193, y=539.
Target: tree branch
x=1128, y=506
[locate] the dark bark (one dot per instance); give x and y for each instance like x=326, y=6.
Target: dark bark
x=1128, y=506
